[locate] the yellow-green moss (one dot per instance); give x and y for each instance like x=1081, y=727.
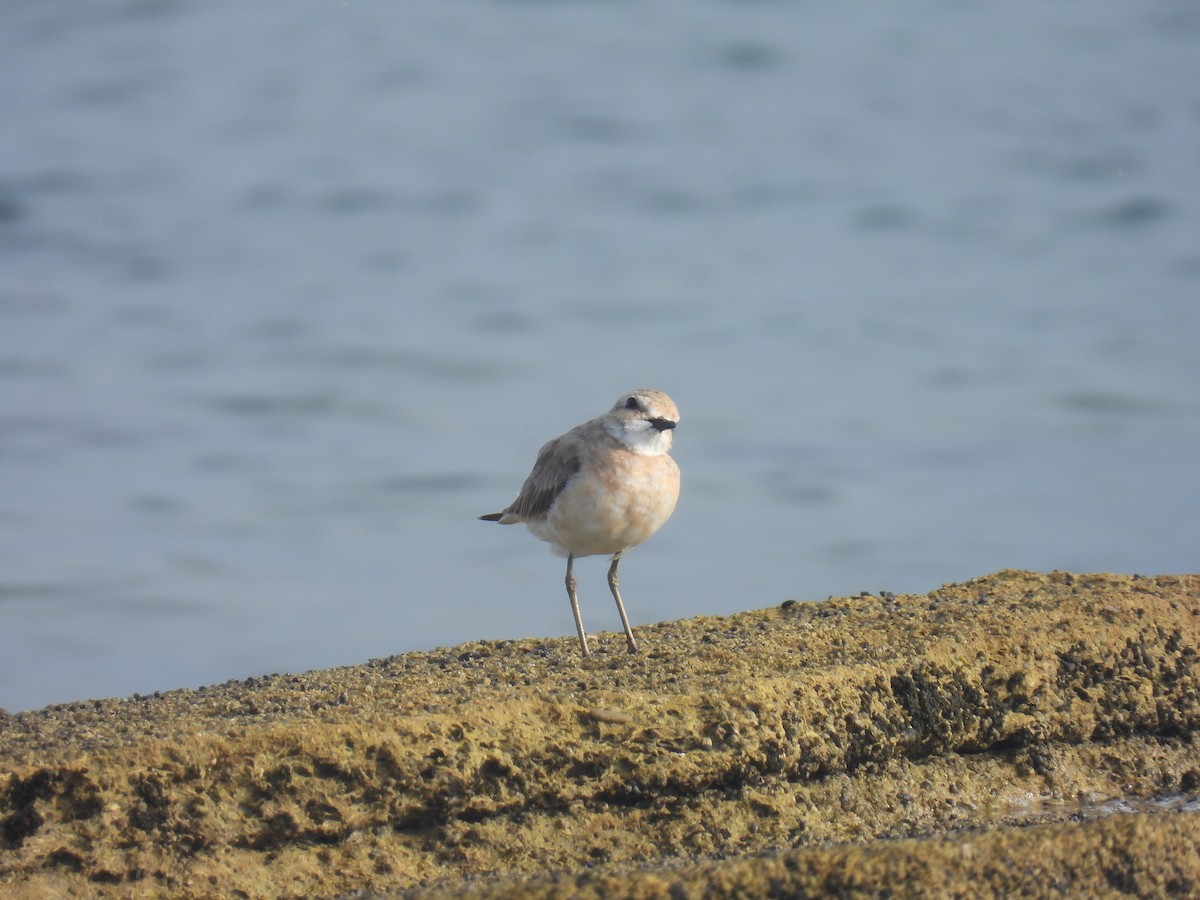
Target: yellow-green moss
x=732, y=751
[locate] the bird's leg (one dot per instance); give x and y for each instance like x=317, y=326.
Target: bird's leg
x=612, y=584
x=571, y=584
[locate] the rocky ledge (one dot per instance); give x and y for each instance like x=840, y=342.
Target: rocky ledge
x=1016, y=733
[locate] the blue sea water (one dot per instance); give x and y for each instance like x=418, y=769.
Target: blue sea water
x=291, y=292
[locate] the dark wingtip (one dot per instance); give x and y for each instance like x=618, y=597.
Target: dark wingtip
x=491, y=517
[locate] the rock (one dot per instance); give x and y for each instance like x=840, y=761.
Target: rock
x=1020, y=732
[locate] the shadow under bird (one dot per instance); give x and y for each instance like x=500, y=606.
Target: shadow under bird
x=602, y=488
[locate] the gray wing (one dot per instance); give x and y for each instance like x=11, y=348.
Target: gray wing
x=557, y=462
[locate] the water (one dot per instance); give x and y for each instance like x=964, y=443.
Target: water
x=291, y=292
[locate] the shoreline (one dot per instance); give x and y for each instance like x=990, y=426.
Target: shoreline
x=811, y=746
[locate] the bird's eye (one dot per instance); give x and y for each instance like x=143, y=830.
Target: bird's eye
x=632, y=403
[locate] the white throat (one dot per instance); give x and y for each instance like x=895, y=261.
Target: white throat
x=640, y=436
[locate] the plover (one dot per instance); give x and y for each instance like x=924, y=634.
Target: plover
x=602, y=488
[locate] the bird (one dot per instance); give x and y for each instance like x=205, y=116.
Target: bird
x=602, y=488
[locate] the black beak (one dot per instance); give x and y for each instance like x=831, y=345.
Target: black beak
x=663, y=424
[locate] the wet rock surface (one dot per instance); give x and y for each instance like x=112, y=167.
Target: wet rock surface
x=1016, y=732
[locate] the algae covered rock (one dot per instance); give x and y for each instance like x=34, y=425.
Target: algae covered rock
x=782, y=750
